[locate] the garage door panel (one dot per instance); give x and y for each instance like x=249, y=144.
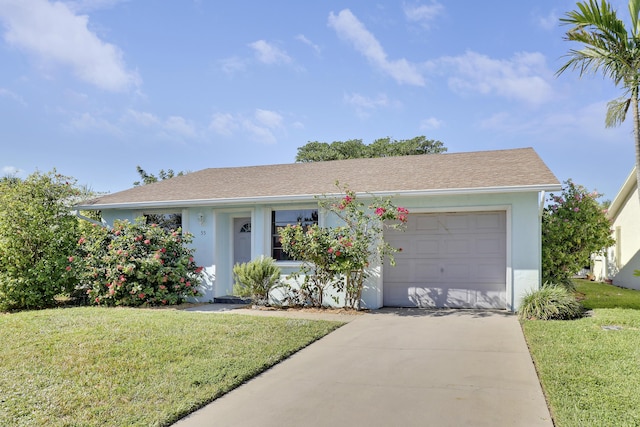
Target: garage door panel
x=457, y=246
x=489, y=246
x=427, y=246
x=426, y=269
x=493, y=221
x=449, y=260
x=426, y=223
x=455, y=223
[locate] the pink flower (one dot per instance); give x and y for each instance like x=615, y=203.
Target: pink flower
x=70, y=259
x=68, y=268
x=146, y=242
x=380, y=211
x=576, y=209
x=141, y=295
x=199, y=270
x=187, y=284
x=330, y=250
x=163, y=287
x=403, y=210
x=81, y=240
x=97, y=300
x=338, y=253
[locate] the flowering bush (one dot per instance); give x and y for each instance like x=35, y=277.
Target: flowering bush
x=338, y=257
x=136, y=264
x=574, y=226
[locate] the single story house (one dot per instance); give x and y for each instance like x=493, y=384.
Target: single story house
x=623, y=258
x=473, y=236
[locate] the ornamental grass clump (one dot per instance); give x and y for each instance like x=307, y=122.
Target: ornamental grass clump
x=256, y=278
x=136, y=264
x=551, y=302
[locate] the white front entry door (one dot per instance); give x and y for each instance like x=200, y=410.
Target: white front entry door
x=241, y=240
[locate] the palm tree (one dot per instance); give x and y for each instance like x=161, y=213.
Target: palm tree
x=608, y=48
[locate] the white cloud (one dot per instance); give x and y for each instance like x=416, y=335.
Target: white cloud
x=270, y=119
x=431, y=123
x=91, y=5
x=349, y=28
x=55, y=35
x=88, y=122
x=525, y=77
x=11, y=171
x=365, y=105
x=309, y=43
x=233, y=64
x=261, y=126
x=269, y=54
x=180, y=126
x=171, y=128
x=550, y=21
x=142, y=118
x=223, y=124
x=6, y=93
x=424, y=14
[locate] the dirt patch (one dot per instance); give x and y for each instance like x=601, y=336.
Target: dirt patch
x=312, y=310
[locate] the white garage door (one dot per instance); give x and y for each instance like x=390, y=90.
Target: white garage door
x=448, y=260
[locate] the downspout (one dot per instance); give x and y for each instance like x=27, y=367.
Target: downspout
x=541, y=200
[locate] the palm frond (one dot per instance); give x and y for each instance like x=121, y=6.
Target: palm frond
x=617, y=111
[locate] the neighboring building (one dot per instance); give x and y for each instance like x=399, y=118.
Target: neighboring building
x=623, y=258
x=473, y=237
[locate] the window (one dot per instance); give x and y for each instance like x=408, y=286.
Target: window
x=168, y=221
x=280, y=219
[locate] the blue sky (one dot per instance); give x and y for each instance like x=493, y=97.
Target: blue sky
x=95, y=87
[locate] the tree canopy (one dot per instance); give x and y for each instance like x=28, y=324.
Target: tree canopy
x=316, y=151
x=149, y=178
x=611, y=48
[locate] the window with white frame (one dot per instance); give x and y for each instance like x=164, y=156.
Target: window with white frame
x=282, y=218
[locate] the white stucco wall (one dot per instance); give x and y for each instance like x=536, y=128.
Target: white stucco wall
x=624, y=256
x=213, y=237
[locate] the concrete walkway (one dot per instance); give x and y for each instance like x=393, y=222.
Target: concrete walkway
x=396, y=367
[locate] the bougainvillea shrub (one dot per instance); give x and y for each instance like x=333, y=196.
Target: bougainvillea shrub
x=136, y=264
x=338, y=257
x=574, y=226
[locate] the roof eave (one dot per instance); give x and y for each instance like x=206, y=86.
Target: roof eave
x=301, y=198
x=626, y=189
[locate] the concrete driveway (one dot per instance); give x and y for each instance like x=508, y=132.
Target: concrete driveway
x=396, y=367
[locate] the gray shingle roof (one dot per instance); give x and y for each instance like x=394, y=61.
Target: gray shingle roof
x=499, y=170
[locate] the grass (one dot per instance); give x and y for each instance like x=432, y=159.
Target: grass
x=133, y=367
x=589, y=368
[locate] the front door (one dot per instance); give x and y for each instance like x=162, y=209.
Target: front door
x=241, y=240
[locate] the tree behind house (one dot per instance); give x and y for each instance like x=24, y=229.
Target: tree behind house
x=354, y=148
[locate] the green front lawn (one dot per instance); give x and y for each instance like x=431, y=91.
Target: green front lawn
x=590, y=368
x=133, y=367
